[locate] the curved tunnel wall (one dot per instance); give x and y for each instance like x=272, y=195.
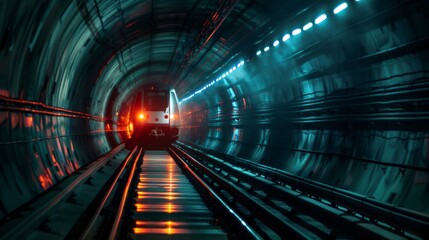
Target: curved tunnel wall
x=330, y=104
x=45, y=60
x=339, y=104
x=39, y=150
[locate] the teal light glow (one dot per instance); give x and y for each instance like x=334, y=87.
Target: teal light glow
x=307, y=26
x=230, y=71
x=340, y=8
x=296, y=31
x=276, y=43
x=320, y=19
x=286, y=37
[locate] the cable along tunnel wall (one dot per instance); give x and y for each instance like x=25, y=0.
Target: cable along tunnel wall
x=38, y=151
x=43, y=63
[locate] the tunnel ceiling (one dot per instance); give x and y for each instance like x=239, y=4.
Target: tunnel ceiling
x=172, y=43
x=344, y=103
x=107, y=46
x=179, y=43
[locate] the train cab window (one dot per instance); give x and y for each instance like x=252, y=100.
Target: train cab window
x=155, y=100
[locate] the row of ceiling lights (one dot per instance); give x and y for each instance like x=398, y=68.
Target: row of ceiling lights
x=306, y=27
x=276, y=43
x=231, y=70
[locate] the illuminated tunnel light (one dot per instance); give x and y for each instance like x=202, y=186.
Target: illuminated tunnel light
x=307, y=26
x=296, y=31
x=320, y=18
x=340, y=8
x=286, y=37
x=276, y=43
x=208, y=85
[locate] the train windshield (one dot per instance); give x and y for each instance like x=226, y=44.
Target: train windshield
x=155, y=100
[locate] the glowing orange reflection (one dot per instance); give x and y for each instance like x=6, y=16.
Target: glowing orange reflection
x=58, y=167
x=170, y=207
x=130, y=129
x=143, y=195
x=168, y=227
x=160, y=193
x=28, y=121
x=45, y=181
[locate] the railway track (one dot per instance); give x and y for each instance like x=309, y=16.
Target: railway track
x=187, y=193
x=133, y=194
x=300, y=208
x=53, y=214
x=161, y=199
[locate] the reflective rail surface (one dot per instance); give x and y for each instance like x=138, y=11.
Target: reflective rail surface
x=314, y=209
x=53, y=214
x=190, y=193
x=166, y=204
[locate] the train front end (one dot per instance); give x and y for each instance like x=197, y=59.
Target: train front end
x=156, y=117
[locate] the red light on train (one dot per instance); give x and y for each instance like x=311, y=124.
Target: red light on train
x=142, y=116
x=166, y=116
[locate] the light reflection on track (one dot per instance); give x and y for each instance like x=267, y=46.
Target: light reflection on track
x=167, y=203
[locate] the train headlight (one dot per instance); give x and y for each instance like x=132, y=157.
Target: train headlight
x=142, y=116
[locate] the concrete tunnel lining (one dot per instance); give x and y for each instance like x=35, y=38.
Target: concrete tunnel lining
x=329, y=104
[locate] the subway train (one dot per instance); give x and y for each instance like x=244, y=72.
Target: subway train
x=156, y=117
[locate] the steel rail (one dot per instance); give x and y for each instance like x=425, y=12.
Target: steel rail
x=85, y=232
x=301, y=202
x=411, y=221
x=278, y=225
x=248, y=230
x=32, y=219
x=121, y=209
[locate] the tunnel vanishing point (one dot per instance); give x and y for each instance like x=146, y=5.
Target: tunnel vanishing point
x=335, y=92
